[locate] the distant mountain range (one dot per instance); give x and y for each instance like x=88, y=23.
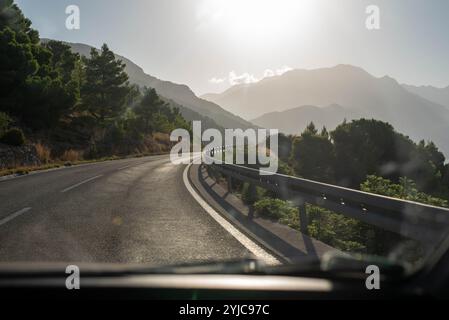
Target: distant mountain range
x=192, y=107
x=437, y=95
x=295, y=120
x=326, y=96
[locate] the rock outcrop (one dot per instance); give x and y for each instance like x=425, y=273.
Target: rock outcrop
x=12, y=157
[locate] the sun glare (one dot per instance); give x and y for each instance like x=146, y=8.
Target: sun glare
x=259, y=18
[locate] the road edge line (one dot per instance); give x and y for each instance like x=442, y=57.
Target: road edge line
x=248, y=243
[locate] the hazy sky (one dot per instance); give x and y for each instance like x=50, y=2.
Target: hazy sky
x=211, y=44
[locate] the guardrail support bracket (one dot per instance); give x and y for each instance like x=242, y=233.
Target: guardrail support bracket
x=303, y=223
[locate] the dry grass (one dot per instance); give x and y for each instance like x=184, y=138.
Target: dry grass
x=153, y=146
x=72, y=156
x=162, y=138
x=43, y=152
x=26, y=170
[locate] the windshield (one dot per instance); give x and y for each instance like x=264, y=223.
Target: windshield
x=163, y=133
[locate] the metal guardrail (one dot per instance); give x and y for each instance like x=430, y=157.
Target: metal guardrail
x=425, y=223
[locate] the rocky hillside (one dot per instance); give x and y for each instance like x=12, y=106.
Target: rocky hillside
x=13, y=157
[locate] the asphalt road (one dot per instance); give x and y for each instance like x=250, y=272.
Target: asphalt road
x=125, y=211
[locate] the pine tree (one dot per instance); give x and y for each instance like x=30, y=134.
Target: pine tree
x=63, y=60
x=311, y=129
x=17, y=65
x=148, y=108
x=12, y=17
x=312, y=155
x=105, y=87
x=324, y=132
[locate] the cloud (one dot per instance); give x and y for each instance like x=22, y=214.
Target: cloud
x=217, y=80
x=246, y=78
x=268, y=73
x=278, y=72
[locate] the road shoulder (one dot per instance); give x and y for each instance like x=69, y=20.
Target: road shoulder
x=287, y=244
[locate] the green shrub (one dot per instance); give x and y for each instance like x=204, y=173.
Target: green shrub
x=13, y=137
x=336, y=230
x=5, y=121
x=275, y=209
x=249, y=195
x=405, y=189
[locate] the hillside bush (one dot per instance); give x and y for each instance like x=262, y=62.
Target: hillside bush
x=275, y=209
x=249, y=195
x=5, y=121
x=13, y=137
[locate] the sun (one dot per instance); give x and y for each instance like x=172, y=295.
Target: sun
x=259, y=18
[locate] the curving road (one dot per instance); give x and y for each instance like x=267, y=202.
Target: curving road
x=132, y=210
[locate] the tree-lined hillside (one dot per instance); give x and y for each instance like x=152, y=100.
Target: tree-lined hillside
x=177, y=95
x=74, y=102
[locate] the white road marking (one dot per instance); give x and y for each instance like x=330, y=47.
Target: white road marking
x=80, y=183
x=257, y=250
x=14, y=215
x=125, y=167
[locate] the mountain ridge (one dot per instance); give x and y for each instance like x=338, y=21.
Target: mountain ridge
x=360, y=93
x=178, y=94
x=295, y=120
x=434, y=94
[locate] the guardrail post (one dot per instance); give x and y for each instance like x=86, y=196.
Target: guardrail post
x=252, y=195
x=303, y=223
x=229, y=184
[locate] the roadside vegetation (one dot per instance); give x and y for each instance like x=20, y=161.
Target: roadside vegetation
x=367, y=155
x=74, y=108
